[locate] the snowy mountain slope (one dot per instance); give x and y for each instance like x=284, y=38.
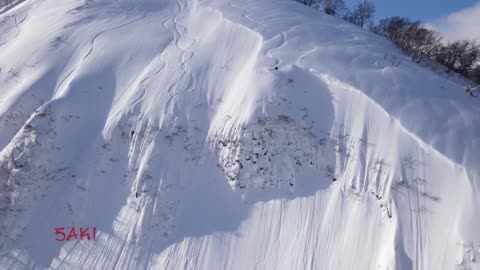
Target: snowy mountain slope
x=165, y=125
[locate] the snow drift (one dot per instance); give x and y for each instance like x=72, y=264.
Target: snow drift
x=168, y=126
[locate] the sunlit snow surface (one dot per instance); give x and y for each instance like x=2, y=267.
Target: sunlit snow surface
x=348, y=156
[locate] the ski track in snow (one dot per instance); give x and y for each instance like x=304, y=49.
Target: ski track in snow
x=92, y=46
x=184, y=62
x=92, y=43
x=268, y=50
x=17, y=27
x=187, y=149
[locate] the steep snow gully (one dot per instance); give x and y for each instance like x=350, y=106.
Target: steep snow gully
x=212, y=134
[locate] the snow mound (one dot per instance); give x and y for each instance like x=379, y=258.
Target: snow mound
x=212, y=134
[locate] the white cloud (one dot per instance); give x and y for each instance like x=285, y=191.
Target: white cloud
x=463, y=24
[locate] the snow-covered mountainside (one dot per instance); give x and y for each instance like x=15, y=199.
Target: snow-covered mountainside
x=212, y=134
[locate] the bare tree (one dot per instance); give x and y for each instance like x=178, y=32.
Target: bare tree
x=459, y=56
x=333, y=7
x=310, y=3
x=469, y=58
x=420, y=41
x=394, y=28
x=362, y=14
x=475, y=74
x=413, y=37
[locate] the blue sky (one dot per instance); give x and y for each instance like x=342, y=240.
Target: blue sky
x=454, y=19
x=426, y=10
